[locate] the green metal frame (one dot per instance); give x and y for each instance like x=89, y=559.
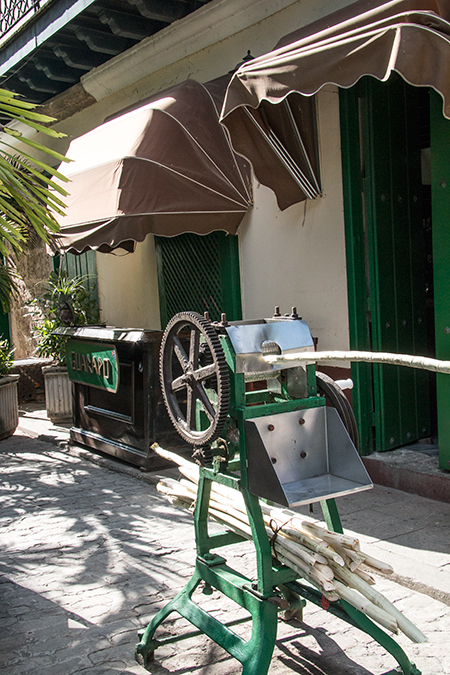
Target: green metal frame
x=343, y=610
x=262, y=597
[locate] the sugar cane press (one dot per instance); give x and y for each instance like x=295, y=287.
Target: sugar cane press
x=263, y=430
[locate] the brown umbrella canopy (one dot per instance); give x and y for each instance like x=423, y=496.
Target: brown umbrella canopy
x=165, y=167
x=369, y=37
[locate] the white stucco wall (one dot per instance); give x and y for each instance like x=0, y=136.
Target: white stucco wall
x=128, y=287
x=297, y=257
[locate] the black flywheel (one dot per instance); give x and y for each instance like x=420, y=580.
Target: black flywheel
x=194, y=378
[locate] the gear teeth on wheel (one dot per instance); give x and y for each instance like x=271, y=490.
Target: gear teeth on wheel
x=194, y=321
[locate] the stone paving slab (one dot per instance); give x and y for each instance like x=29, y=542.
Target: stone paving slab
x=88, y=555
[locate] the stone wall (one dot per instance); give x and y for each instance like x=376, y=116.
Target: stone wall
x=34, y=267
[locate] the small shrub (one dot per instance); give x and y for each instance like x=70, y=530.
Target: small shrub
x=6, y=357
x=64, y=301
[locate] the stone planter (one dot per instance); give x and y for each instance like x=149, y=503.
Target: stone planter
x=9, y=407
x=58, y=393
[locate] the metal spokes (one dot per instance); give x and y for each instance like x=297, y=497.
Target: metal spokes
x=196, y=393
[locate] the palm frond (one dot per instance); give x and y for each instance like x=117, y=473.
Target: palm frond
x=8, y=286
x=29, y=197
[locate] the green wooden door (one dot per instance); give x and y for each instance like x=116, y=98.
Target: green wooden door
x=440, y=190
x=381, y=135
x=199, y=273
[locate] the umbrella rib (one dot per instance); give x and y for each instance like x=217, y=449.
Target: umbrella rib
x=167, y=168
x=107, y=220
x=310, y=42
x=285, y=158
x=230, y=146
x=244, y=195
x=292, y=166
x=193, y=180
x=288, y=52
x=205, y=153
x=299, y=138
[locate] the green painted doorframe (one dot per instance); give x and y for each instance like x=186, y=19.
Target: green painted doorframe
x=5, y=324
x=356, y=268
x=440, y=201
x=5, y=328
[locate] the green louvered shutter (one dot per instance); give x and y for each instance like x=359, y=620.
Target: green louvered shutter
x=83, y=265
x=199, y=273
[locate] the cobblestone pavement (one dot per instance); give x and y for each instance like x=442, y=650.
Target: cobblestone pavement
x=89, y=554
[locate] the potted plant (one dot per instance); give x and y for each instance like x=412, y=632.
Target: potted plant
x=9, y=408
x=63, y=301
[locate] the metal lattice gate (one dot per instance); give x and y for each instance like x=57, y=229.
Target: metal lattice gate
x=199, y=273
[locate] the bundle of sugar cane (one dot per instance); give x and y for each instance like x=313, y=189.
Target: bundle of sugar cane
x=332, y=562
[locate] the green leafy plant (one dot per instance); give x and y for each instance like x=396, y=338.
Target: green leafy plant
x=29, y=197
x=64, y=300
x=6, y=357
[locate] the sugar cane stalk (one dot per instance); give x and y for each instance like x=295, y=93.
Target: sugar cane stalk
x=365, y=606
x=354, y=581
x=227, y=507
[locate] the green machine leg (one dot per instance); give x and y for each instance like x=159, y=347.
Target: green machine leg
x=254, y=654
x=258, y=599
x=331, y=515
x=348, y=613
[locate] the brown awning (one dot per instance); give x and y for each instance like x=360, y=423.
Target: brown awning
x=369, y=37
x=165, y=167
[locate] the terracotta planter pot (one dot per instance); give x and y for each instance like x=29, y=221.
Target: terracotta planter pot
x=9, y=407
x=58, y=393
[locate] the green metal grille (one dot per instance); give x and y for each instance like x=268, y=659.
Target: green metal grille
x=198, y=273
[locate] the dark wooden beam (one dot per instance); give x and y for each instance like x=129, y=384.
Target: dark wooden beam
x=54, y=18
x=100, y=41
x=68, y=103
x=17, y=86
x=129, y=25
x=82, y=59
x=58, y=71
x=40, y=83
x=161, y=10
